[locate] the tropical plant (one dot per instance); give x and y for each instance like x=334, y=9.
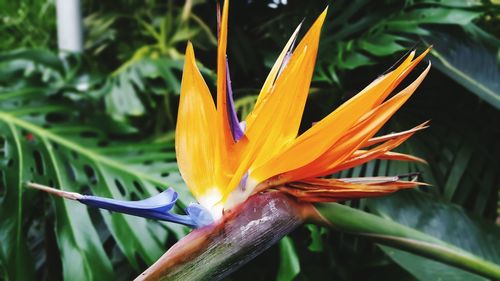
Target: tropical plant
x=364, y=32
x=148, y=79
x=28, y=24
x=49, y=138
x=66, y=123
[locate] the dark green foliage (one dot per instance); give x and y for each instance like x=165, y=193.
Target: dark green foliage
x=51, y=139
x=103, y=123
x=422, y=212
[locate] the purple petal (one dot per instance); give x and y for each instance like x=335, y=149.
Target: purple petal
x=243, y=182
x=234, y=123
x=156, y=207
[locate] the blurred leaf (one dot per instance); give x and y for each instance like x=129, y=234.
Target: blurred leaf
x=354, y=60
x=316, y=240
x=22, y=162
x=244, y=105
x=382, y=44
x=53, y=141
x=289, y=261
x=462, y=169
x=100, y=32
x=134, y=90
x=455, y=3
x=410, y=21
x=28, y=24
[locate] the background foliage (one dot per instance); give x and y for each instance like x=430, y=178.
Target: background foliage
x=102, y=122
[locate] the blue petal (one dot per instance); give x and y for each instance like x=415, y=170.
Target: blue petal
x=236, y=129
x=199, y=214
x=156, y=207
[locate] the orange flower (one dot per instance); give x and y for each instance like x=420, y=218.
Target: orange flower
x=224, y=162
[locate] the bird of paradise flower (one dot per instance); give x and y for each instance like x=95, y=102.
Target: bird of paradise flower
x=224, y=161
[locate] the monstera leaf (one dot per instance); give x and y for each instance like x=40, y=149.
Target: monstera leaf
x=53, y=141
x=131, y=91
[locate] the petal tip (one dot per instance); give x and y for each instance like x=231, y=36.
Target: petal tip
x=322, y=16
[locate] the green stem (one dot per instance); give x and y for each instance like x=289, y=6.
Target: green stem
x=402, y=237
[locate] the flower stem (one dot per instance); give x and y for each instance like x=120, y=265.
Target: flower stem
x=212, y=252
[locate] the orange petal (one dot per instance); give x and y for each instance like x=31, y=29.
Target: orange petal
x=391, y=155
x=342, y=118
x=228, y=153
x=332, y=190
x=402, y=75
x=271, y=78
x=224, y=163
x=194, y=137
x=317, y=151
x=383, y=138
x=362, y=156
x=278, y=120
x=370, y=180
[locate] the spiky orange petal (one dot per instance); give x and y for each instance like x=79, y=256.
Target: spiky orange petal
x=330, y=190
x=224, y=163
x=379, y=139
x=378, y=152
x=279, y=119
x=194, y=137
x=271, y=78
x=391, y=155
x=299, y=160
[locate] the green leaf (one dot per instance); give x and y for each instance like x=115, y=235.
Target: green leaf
x=470, y=64
x=421, y=212
x=289, y=261
x=135, y=89
x=353, y=60
x=427, y=269
x=316, y=233
x=382, y=44
x=461, y=169
x=59, y=144
x=40, y=56
x=457, y=169
x=434, y=15
x=393, y=233
x=14, y=254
